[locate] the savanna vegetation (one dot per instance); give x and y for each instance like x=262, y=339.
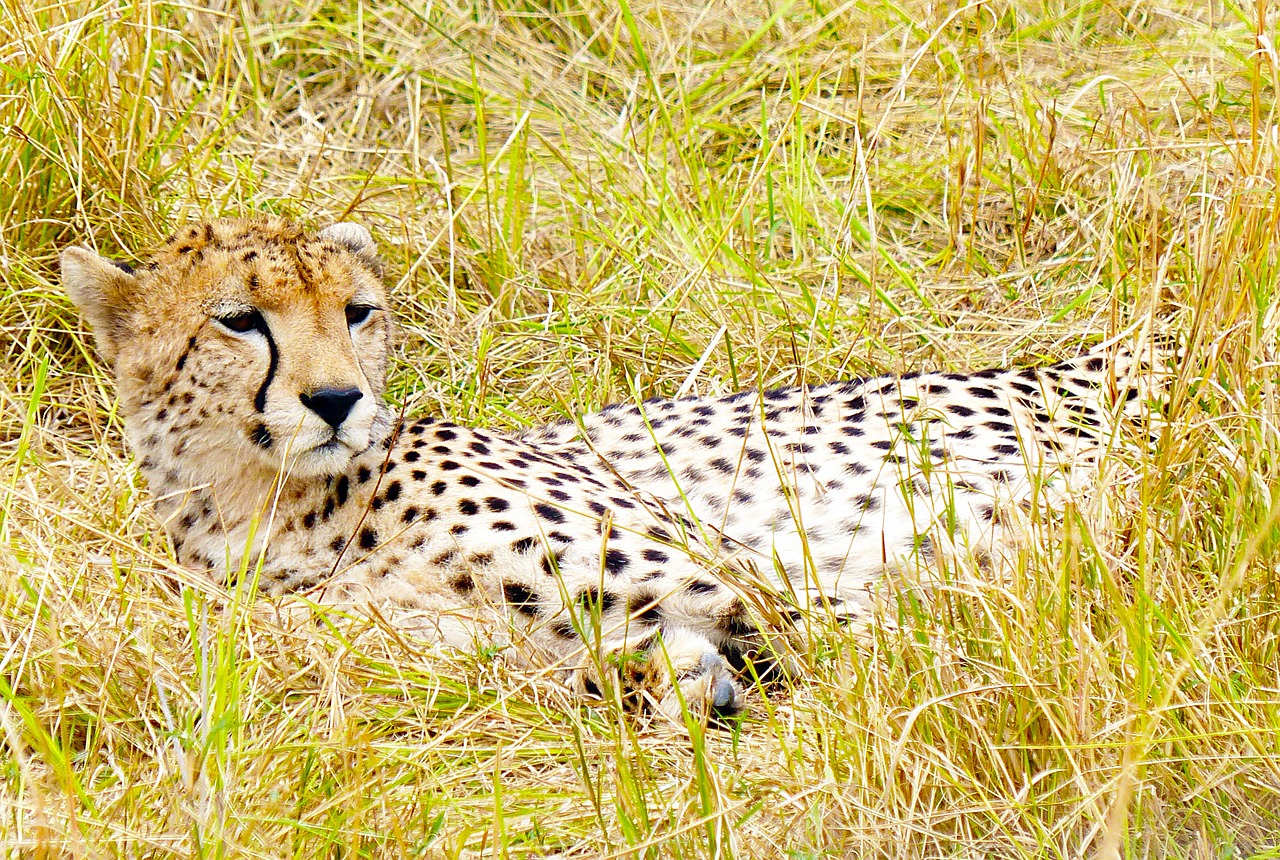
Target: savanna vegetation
x=586, y=202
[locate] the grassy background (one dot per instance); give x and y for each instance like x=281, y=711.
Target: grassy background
x=577, y=202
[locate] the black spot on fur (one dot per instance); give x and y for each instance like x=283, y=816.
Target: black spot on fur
x=616, y=561
x=644, y=607
x=261, y=436
x=590, y=598
x=549, y=513
x=368, y=538
x=550, y=562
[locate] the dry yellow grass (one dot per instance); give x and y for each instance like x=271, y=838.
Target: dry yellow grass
x=573, y=200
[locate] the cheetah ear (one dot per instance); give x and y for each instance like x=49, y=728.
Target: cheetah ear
x=355, y=239
x=102, y=290
x=351, y=236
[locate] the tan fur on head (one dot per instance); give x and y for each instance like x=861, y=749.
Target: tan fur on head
x=222, y=329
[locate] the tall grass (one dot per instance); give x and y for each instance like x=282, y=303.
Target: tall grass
x=577, y=204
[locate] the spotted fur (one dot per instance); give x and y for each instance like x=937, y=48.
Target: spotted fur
x=643, y=546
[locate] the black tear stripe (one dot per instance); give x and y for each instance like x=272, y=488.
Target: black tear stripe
x=260, y=400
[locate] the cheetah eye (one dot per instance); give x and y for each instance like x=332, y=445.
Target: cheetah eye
x=357, y=314
x=242, y=323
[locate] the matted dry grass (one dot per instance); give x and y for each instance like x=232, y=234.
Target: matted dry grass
x=578, y=203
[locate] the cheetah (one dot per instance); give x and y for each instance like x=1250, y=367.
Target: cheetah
x=644, y=548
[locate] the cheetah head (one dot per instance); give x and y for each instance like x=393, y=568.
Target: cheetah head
x=244, y=344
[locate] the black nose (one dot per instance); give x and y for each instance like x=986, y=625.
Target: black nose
x=332, y=404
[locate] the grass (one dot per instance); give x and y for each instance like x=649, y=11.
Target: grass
x=584, y=203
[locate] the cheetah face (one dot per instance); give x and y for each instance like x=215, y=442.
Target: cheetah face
x=242, y=345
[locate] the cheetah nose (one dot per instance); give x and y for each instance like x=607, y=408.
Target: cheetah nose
x=332, y=404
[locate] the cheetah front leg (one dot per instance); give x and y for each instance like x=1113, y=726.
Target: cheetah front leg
x=667, y=671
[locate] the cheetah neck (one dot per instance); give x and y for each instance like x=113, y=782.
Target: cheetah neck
x=218, y=518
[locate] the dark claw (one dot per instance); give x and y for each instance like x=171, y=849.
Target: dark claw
x=723, y=696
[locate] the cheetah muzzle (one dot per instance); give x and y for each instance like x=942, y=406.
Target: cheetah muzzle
x=642, y=550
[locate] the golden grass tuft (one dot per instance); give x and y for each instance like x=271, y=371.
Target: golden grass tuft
x=577, y=203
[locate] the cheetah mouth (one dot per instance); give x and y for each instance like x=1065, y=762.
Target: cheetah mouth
x=333, y=447
x=322, y=458
x=337, y=443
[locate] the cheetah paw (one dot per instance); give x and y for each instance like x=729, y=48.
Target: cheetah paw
x=709, y=689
